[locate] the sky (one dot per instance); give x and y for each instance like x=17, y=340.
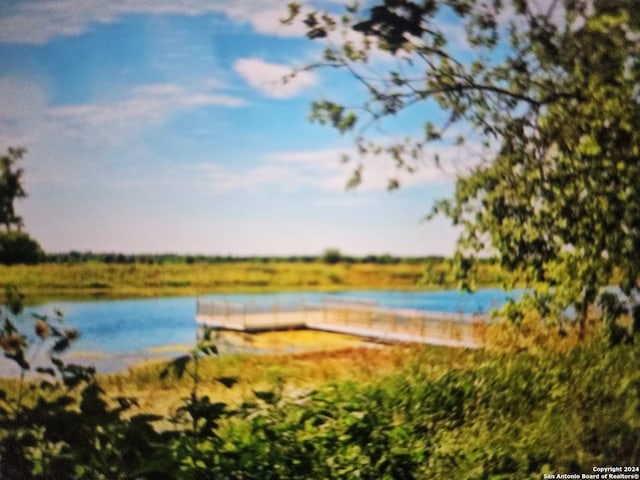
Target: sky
x=157, y=126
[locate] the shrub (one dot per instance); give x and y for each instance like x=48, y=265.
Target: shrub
x=331, y=256
x=55, y=420
x=19, y=247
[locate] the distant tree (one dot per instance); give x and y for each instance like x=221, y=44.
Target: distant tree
x=388, y=259
x=75, y=256
x=331, y=256
x=549, y=89
x=369, y=258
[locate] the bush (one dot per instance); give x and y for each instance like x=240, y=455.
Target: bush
x=499, y=417
x=56, y=422
x=19, y=247
x=331, y=256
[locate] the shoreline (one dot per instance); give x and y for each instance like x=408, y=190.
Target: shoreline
x=227, y=343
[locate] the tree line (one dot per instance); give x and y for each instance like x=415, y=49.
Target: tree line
x=329, y=257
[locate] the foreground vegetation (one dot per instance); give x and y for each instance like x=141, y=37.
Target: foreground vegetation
x=402, y=412
x=117, y=280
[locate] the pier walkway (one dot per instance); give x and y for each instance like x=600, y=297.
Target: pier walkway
x=364, y=319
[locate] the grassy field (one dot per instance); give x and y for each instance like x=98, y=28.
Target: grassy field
x=95, y=280
x=292, y=372
x=322, y=358
x=330, y=358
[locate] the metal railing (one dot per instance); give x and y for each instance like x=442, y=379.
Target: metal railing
x=358, y=318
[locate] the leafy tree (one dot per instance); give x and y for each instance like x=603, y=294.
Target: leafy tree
x=10, y=188
x=15, y=246
x=550, y=90
x=19, y=247
x=331, y=256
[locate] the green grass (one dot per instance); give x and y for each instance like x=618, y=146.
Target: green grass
x=304, y=371
x=99, y=280
x=323, y=357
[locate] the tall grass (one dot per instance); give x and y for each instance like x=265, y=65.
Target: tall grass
x=92, y=279
x=434, y=414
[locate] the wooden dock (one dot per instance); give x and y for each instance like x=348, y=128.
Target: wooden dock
x=358, y=319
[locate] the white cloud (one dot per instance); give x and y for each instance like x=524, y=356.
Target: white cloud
x=70, y=144
x=148, y=102
x=221, y=179
x=38, y=21
x=322, y=170
x=269, y=78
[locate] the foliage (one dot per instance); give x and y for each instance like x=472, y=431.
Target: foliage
x=514, y=416
x=550, y=93
x=57, y=424
x=19, y=248
x=331, y=256
x=10, y=188
x=15, y=246
x=169, y=258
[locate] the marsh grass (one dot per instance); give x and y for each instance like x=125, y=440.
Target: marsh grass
x=534, y=335
x=99, y=280
x=307, y=360
x=288, y=373
x=321, y=363
x=331, y=358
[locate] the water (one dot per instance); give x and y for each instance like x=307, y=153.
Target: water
x=128, y=326
x=117, y=333
x=450, y=301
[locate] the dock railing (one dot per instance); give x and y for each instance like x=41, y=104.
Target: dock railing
x=363, y=318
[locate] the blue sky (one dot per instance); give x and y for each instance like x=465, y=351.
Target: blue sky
x=160, y=126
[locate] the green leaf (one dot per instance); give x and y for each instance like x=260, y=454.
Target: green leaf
x=228, y=382
x=270, y=398
x=61, y=345
x=176, y=367
x=208, y=349
x=431, y=133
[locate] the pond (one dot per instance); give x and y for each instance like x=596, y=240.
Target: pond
x=117, y=333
